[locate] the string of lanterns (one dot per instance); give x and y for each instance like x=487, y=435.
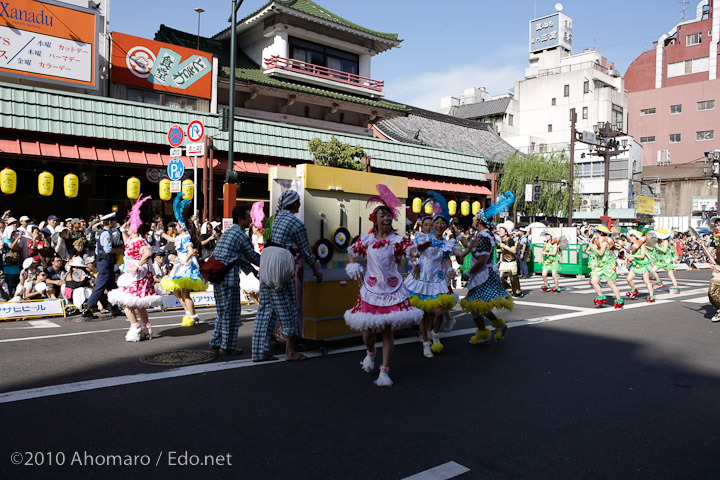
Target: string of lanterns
x=465, y=207
x=71, y=185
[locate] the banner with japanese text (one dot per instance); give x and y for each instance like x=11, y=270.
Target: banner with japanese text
x=31, y=308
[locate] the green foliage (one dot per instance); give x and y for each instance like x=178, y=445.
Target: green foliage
x=519, y=171
x=334, y=153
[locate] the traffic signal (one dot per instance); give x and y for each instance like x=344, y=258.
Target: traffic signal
x=224, y=119
x=536, y=193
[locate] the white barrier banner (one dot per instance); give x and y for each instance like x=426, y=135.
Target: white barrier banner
x=200, y=299
x=31, y=308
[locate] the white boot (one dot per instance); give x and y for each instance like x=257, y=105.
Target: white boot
x=384, y=379
x=427, y=351
x=716, y=318
x=368, y=363
x=133, y=335
x=437, y=347
x=146, y=332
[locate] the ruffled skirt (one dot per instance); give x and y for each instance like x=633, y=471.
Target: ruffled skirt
x=430, y=303
x=118, y=297
x=184, y=277
x=249, y=283
x=365, y=316
x=486, y=296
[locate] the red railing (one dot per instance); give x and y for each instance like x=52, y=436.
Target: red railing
x=323, y=72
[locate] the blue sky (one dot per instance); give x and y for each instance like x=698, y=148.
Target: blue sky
x=448, y=46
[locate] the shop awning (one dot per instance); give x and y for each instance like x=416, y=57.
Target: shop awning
x=448, y=186
x=71, y=151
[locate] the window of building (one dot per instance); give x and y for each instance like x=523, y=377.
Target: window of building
x=616, y=117
x=675, y=138
x=586, y=86
x=550, y=128
x=510, y=119
x=706, y=105
x=705, y=135
x=566, y=91
x=693, y=39
x=323, y=56
x=553, y=102
x=157, y=98
x=543, y=147
x=675, y=109
x=585, y=113
x=648, y=111
x=590, y=170
x=686, y=67
x=650, y=139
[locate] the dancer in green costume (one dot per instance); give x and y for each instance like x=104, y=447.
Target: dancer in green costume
x=550, y=262
x=664, y=258
x=640, y=265
x=605, y=266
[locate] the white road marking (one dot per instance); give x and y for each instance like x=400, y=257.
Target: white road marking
x=441, y=472
x=698, y=300
x=60, y=335
x=686, y=293
x=551, y=305
x=51, y=390
x=35, y=324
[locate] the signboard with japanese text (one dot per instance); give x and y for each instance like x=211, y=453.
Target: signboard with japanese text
x=31, y=308
x=645, y=205
x=551, y=31
x=161, y=66
x=49, y=42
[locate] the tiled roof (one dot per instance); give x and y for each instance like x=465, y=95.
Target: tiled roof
x=41, y=110
x=482, y=109
x=423, y=127
x=311, y=8
x=247, y=70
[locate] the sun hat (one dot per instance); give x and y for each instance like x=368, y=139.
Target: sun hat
x=602, y=228
x=11, y=220
x=662, y=234
x=24, y=218
x=27, y=263
x=77, y=262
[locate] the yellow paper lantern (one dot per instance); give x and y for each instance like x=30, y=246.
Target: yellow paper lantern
x=188, y=189
x=133, y=188
x=465, y=208
x=429, y=208
x=475, y=207
x=416, y=205
x=165, y=193
x=71, y=185
x=46, y=181
x=452, y=208
x=8, y=181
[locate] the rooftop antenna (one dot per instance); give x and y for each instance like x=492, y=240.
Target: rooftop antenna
x=535, y=10
x=684, y=8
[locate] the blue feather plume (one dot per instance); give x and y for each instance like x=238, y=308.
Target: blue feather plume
x=502, y=205
x=179, y=207
x=439, y=201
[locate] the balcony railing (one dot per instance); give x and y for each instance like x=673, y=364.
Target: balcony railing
x=277, y=62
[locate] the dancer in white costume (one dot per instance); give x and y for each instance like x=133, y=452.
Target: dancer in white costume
x=383, y=300
x=429, y=283
x=248, y=281
x=136, y=291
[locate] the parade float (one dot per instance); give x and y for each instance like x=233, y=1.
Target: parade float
x=332, y=206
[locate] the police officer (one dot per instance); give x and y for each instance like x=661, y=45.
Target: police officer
x=106, y=250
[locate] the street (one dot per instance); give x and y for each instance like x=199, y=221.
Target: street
x=573, y=390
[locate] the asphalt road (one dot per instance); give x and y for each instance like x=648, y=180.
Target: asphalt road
x=573, y=391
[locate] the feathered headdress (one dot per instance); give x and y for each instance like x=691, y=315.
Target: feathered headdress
x=440, y=206
x=179, y=208
x=135, y=220
x=257, y=214
x=385, y=199
x=503, y=203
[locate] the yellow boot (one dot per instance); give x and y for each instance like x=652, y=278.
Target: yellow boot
x=500, y=328
x=187, y=321
x=481, y=336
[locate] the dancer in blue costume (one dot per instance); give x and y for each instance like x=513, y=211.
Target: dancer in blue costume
x=485, y=290
x=429, y=283
x=185, y=275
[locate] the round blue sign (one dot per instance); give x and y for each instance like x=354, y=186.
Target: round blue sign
x=175, y=169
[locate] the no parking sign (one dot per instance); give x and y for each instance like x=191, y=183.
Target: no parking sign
x=175, y=136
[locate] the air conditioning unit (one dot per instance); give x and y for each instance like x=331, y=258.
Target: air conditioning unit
x=614, y=205
x=663, y=157
x=585, y=202
x=613, y=73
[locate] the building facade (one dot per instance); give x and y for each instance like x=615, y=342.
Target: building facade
x=673, y=89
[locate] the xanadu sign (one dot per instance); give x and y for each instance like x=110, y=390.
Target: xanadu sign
x=49, y=42
x=161, y=66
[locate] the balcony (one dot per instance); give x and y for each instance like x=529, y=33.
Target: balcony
x=322, y=76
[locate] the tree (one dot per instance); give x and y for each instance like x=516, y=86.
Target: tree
x=554, y=197
x=334, y=153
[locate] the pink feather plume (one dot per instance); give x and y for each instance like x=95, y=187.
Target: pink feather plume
x=386, y=198
x=135, y=220
x=257, y=214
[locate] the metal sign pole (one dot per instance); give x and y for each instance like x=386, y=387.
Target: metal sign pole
x=195, y=189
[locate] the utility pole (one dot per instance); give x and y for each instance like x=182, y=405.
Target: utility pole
x=607, y=146
x=230, y=187
x=571, y=180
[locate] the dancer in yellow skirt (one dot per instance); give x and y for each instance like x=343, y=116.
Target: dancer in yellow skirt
x=185, y=275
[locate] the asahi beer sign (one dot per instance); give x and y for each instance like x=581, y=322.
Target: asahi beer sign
x=49, y=42
x=161, y=66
